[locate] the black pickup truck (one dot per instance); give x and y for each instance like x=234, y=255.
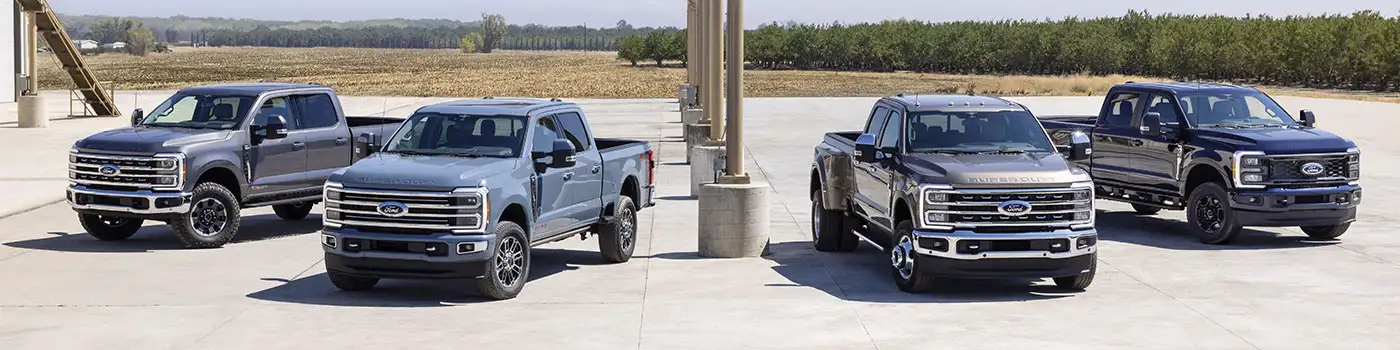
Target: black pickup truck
x=957, y=186
x=1229, y=155
x=208, y=152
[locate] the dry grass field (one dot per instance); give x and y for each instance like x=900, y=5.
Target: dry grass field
x=401, y=72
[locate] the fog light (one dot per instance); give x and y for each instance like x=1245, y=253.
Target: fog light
x=328, y=240
x=466, y=248
x=1356, y=197
x=1085, y=242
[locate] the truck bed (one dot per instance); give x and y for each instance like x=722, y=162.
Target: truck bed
x=1060, y=127
x=623, y=158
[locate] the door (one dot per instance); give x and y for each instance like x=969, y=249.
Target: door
x=1113, y=139
x=586, y=186
x=865, y=181
x=551, y=200
x=879, y=174
x=327, y=138
x=277, y=165
x=1158, y=159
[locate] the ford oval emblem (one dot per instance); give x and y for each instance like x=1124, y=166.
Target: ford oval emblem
x=110, y=170
x=393, y=209
x=1014, y=208
x=1312, y=169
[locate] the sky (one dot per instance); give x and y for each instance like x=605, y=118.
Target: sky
x=605, y=13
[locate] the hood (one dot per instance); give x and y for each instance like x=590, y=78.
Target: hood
x=1279, y=140
x=995, y=170
x=142, y=139
x=421, y=173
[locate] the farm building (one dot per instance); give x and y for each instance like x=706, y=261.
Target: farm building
x=86, y=44
x=115, y=46
x=12, y=56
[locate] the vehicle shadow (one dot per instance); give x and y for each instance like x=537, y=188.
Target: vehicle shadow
x=1153, y=231
x=317, y=289
x=156, y=236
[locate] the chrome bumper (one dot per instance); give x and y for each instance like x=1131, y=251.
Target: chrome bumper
x=148, y=196
x=954, y=237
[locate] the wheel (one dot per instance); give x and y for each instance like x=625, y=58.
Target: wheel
x=213, y=218
x=1146, y=209
x=618, y=239
x=1326, y=232
x=1080, y=281
x=508, y=269
x=903, y=261
x=294, y=211
x=827, y=225
x=109, y=228
x=351, y=283
x=1209, y=213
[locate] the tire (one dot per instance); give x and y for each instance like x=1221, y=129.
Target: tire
x=351, y=283
x=109, y=228
x=1145, y=209
x=1212, y=220
x=618, y=238
x=903, y=261
x=294, y=211
x=827, y=225
x=511, y=248
x=202, y=227
x=1326, y=233
x=1081, y=281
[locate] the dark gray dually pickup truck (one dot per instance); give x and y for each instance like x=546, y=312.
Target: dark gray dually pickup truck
x=208, y=152
x=464, y=190
x=957, y=186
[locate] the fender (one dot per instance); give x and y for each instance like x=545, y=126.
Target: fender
x=1208, y=159
x=834, y=183
x=193, y=175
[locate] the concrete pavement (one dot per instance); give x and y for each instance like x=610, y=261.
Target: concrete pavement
x=1157, y=287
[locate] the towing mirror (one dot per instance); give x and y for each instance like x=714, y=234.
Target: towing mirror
x=1151, y=124
x=1080, y=147
x=563, y=154
x=369, y=141
x=1308, y=118
x=276, y=127
x=137, y=115
x=865, y=148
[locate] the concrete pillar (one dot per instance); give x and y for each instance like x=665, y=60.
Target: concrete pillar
x=695, y=135
x=734, y=109
x=692, y=116
x=704, y=163
x=32, y=113
x=733, y=220
x=714, y=36
x=692, y=16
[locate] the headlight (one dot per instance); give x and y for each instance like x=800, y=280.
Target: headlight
x=936, y=199
x=1354, y=163
x=172, y=165
x=1250, y=169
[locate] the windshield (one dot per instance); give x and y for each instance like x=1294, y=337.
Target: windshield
x=1234, y=110
x=459, y=135
x=976, y=132
x=200, y=112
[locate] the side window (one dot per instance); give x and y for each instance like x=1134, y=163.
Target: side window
x=876, y=125
x=1162, y=104
x=545, y=134
x=890, y=136
x=574, y=130
x=316, y=111
x=1120, y=110
x=276, y=106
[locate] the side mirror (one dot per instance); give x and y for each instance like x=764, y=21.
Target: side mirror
x=1151, y=124
x=137, y=116
x=563, y=153
x=1308, y=118
x=276, y=127
x=1080, y=147
x=865, y=148
x=369, y=141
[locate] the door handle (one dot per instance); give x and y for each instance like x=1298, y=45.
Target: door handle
x=341, y=141
x=597, y=168
x=298, y=145
x=568, y=176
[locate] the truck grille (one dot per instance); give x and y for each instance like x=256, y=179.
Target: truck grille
x=405, y=212
x=130, y=173
x=1289, y=168
x=992, y=211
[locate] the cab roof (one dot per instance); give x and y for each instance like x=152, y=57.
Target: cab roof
x=250, y=89
x=493, y=106
x=945, y=102
x=1184, y=87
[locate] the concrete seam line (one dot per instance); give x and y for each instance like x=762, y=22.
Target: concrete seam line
x=1183, y=304
x=29, y=209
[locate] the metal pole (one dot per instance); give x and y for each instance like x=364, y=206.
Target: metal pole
x=691, y=75
x=715, y=36
x=702, y=55
x=33, y=51
x=734, y=66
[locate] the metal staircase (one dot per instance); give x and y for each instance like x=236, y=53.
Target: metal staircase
x=89, y=89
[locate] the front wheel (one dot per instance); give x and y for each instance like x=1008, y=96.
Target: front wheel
x=1212, y=220
x=294, y=211
x=618, y=238
x=1326, y=232
x=904, y=261
x=213, y=218
x=1082, y=280
x=109, y=228
x=509, y=267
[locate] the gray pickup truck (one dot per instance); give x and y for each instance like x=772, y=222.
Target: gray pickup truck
x=464, y=190
x=957, y=186
x=208, y=152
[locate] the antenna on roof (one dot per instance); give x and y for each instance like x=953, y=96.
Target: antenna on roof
x=916, y=99
x=556, y=99
x=488, y=98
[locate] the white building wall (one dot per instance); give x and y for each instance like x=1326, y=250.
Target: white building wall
x=11, y=51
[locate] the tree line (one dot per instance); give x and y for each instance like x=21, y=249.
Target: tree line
x=1356, y=51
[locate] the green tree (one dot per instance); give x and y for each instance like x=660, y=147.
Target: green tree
x=632, y=49
x=471, y=42
x=493, y=29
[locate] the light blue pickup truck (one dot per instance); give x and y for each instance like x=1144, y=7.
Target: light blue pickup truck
x=464, y=189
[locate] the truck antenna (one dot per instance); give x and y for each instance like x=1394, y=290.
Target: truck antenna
x=916, y=99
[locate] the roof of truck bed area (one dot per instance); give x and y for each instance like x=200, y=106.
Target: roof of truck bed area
x=492, y=106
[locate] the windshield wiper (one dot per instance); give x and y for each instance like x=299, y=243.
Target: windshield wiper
x=412, y=153
x=176, y=125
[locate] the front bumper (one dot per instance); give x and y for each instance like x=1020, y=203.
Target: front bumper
x=438, y=256
x=127, y=203
x=1296, y=207
x=968, y=254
